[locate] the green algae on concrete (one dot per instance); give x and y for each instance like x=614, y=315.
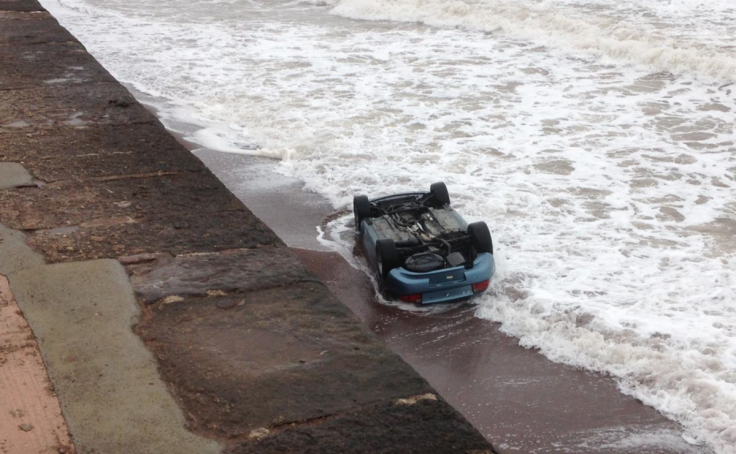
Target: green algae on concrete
x=111, y=394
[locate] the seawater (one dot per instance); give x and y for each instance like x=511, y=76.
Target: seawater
x=595, y=137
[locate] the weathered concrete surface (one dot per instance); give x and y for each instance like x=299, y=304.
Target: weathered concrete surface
x=70, y=65
x=427, y=426
x=273, y=357
x=244, y=270
x=89, y=152
x=15, y=255
x=253, y=344
x=30, y=26
x=74, y=105
x=30, y=416
x=20, y=5
x=256, y=351
x=175, y=211
x=13, y=174
x=175, y=234
x=106, y=379
x=112, y=200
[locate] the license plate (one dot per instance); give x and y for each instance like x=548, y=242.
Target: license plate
x=450, y=277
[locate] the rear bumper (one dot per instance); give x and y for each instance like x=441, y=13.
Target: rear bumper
x=441, y=286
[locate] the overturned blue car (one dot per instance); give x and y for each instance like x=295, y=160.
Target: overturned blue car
x=423, y=250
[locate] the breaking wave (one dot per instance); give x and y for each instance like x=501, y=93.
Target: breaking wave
x=655, y=45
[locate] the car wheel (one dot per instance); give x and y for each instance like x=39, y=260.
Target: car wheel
x=361, y=209
x=387, y=257
x=481, y=237
x=440, y=194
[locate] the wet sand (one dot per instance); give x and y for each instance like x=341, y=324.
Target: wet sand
x=519, y=400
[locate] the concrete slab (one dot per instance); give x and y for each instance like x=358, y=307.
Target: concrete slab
x=133, y=214
x=97, y=151
x=30, y=416
x=127, y=198
x=21, y=28
x=427, y=426
x=106, y=379
x=15, y=255
x=20, y=5
x=48, y=65
x=13, y=174
x=177, y=234
x=73, y=106
x=272, y=358
x=231, y=271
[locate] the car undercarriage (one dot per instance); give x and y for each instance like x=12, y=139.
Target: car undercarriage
x=420, y=233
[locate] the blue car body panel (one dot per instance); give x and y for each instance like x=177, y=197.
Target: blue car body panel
x=439, y=286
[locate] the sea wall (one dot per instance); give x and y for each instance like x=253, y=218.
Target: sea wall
x=169, y=317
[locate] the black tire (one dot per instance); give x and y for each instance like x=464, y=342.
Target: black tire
x=441, y=196
x=481, y=237
x=361, y=209
x=387, y=257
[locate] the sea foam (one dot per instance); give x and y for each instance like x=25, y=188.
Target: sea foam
x=654, y=45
